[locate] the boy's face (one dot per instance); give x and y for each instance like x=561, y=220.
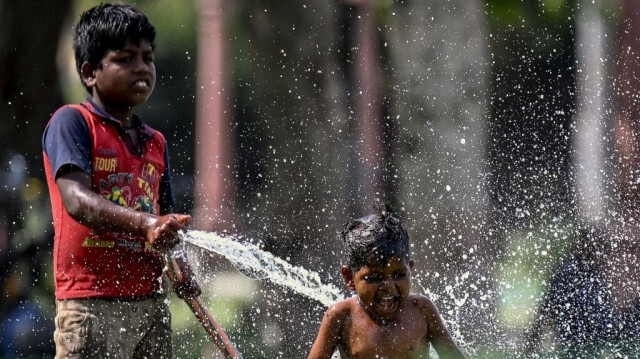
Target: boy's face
x=382, y=287
x=125, y=77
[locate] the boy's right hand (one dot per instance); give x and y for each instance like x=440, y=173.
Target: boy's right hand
x=163, y=233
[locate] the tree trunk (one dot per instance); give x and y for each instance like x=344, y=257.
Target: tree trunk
x=624, y=269
x=627, y=126
x=592, y=170
x=215, y=142
x=365, y=89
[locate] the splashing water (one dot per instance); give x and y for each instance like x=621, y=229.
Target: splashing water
x=256, y=263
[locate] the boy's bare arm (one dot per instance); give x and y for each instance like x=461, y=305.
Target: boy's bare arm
x=91, y=210
x=439, y=335
x=328, y=334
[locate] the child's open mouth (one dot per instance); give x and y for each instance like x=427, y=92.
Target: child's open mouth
x=387, y=304
x=141, y=85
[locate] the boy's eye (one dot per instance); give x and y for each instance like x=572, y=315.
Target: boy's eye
x=399, y=275
x=148, y=56
x=372, y=278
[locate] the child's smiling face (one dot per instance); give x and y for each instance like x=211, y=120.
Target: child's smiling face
x=382, y=286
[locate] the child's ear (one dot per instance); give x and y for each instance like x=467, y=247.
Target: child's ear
x=347, y=275
x=88, y=74
x=411, y=263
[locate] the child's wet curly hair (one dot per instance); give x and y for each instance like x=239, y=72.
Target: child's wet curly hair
x=381, y=235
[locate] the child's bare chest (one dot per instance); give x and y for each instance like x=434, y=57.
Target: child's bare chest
x=405, y=340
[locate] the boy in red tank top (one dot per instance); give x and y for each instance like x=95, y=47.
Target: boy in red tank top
x=110, y=187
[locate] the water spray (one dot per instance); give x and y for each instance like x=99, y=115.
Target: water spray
x=256, y=263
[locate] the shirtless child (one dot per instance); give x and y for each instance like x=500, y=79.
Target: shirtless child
x=383, y=319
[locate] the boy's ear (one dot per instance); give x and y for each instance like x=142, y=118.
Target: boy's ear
x=411, y=263
x=88, y=74
x=347, y=275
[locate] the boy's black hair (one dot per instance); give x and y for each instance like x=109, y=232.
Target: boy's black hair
x=381, y=235
x=108, y=27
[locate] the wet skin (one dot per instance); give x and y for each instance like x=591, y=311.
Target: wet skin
x=383, y=320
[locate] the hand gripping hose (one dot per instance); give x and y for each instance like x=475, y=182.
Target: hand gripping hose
x=179, y=273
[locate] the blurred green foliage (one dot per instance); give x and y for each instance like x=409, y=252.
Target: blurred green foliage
x=530, y=257
x=516, y=13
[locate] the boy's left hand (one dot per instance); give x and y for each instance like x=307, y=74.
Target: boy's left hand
x=163, y=233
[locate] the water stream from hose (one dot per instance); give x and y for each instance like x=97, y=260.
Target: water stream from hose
x=255, y=263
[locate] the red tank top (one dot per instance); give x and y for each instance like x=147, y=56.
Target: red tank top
x=109, y=265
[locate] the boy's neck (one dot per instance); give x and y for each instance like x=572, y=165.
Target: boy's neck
x=124, y=115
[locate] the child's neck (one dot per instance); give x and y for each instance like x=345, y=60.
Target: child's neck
x=122, y=114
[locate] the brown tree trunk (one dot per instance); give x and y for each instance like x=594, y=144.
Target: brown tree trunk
x=624, y=268
x=214, y=146
x=367, y=92
x=627, y=126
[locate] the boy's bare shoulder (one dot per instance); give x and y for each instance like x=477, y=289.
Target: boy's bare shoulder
x=342, y=309
x=423, y=303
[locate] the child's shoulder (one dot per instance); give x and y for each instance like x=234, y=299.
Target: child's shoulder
x=342, y=310
x=343, y=307
x=422, y=303
x=418, y=299
x=67, y=111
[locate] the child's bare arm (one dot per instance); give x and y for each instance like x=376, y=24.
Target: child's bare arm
x=329, y=333
x=439, y=335
x=92, y=210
